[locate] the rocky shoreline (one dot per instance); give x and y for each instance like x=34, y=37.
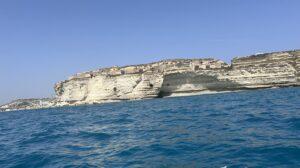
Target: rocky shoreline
x=171, y=78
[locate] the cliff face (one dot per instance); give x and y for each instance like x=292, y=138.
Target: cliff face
x=297, y=64
x=101, y=87
x=181, y=76
x=267, y=70
x=135, y=82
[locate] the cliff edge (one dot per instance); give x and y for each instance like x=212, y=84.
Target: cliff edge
x=173, y=78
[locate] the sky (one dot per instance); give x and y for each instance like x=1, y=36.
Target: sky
x=43, y=42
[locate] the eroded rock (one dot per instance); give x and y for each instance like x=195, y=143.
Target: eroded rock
x=174, y=77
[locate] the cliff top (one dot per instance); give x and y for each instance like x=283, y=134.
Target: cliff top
x=263, y=55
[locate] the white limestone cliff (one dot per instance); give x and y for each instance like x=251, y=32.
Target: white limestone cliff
x=180, y=76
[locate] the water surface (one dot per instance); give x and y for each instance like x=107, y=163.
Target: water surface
x=241, y=129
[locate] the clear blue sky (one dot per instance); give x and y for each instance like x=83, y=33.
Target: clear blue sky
x=42, y=42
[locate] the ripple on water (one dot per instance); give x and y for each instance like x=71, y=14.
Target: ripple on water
x=95, y=135
x=294, y=123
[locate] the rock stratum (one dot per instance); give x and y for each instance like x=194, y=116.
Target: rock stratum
x=171, y=78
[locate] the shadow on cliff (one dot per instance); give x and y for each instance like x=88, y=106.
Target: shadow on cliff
x=193, y=82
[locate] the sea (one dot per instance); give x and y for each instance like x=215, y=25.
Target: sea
x=258, y=128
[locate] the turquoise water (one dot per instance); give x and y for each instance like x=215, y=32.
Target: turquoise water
x=242, y=129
